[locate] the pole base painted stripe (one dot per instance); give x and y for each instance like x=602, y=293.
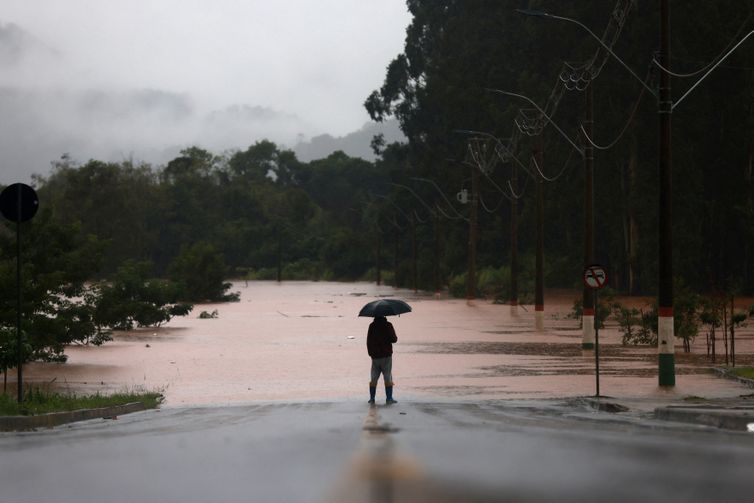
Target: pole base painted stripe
x=667, y=369
x=588, y=311
x=587, y=330
x=539, y=320
x=539, y=307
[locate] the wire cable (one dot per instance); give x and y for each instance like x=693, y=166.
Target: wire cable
x=422, y=201
x=714, y=60
x=623, y=131
x=481, y=200
x=441, y=193
x=545, y=177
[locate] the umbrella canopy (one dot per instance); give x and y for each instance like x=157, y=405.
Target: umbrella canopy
x=385, y=307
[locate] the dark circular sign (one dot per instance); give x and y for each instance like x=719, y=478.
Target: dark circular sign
x=18, y=202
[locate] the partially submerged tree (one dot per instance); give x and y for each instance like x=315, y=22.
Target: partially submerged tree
x=134, y=298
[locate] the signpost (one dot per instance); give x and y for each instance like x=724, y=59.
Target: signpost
x=19, y=203
x=595, y=277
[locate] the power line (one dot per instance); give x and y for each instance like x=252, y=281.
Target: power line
x=481, y=200
x=450, y=205
x=623, y=131
x=552, y=179
x=716, y=58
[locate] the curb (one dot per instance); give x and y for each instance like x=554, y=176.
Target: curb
x=726, y=373
x=603, y=406
x=23, y=423
x=731, y=419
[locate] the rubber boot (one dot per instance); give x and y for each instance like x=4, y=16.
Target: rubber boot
x=389, y=394
x=372, y=392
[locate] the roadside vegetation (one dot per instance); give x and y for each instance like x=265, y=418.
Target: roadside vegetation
x=38, y=401
x=747, y=372
x=713, y=316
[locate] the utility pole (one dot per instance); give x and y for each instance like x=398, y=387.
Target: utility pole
x=473, y=217
x=514, y=241
x=666, y=335
x=539, y=283
x=588, y=307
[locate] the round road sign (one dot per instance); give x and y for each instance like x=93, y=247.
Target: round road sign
x=595, y=276
x=18, y=202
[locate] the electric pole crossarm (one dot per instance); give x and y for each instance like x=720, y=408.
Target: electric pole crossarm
x=562, y=133
x=594, y=35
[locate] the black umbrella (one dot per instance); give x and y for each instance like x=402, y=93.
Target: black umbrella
x=385, y=307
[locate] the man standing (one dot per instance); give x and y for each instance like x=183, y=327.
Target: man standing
x=380, y=339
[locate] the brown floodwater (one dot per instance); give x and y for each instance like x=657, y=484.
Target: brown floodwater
x=303, y=341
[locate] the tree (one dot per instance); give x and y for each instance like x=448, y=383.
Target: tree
x=133, y=298
x=200, y=271
x=57, y=309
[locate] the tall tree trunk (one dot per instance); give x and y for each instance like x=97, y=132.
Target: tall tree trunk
x=633, y=227
x=436, y=265
x=747, y=270
x=414, y=273
x=732, y=333
x=396, y=258
x=280, y=256
x=725, y=331
x=379, y=258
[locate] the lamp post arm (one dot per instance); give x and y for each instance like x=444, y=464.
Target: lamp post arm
x=579, y=150
x=594, y=35
x=678, y=102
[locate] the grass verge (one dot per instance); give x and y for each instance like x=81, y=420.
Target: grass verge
x=747, y=372
x=38, y=401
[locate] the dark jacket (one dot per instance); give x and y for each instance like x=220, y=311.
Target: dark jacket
x=380, y=338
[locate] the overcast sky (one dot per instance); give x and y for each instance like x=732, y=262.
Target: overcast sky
x=113, y=79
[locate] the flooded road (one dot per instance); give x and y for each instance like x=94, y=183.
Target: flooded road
x=300, y=341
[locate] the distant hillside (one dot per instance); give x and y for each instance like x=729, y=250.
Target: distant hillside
x=356, y=144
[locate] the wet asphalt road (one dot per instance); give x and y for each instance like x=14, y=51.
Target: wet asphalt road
x=503, y=451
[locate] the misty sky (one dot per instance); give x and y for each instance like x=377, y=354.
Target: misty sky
x=116, y=79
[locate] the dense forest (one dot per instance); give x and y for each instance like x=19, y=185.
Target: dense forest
x=404, y=219
x=456, y=51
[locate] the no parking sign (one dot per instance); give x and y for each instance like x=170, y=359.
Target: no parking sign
x=595, y=276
